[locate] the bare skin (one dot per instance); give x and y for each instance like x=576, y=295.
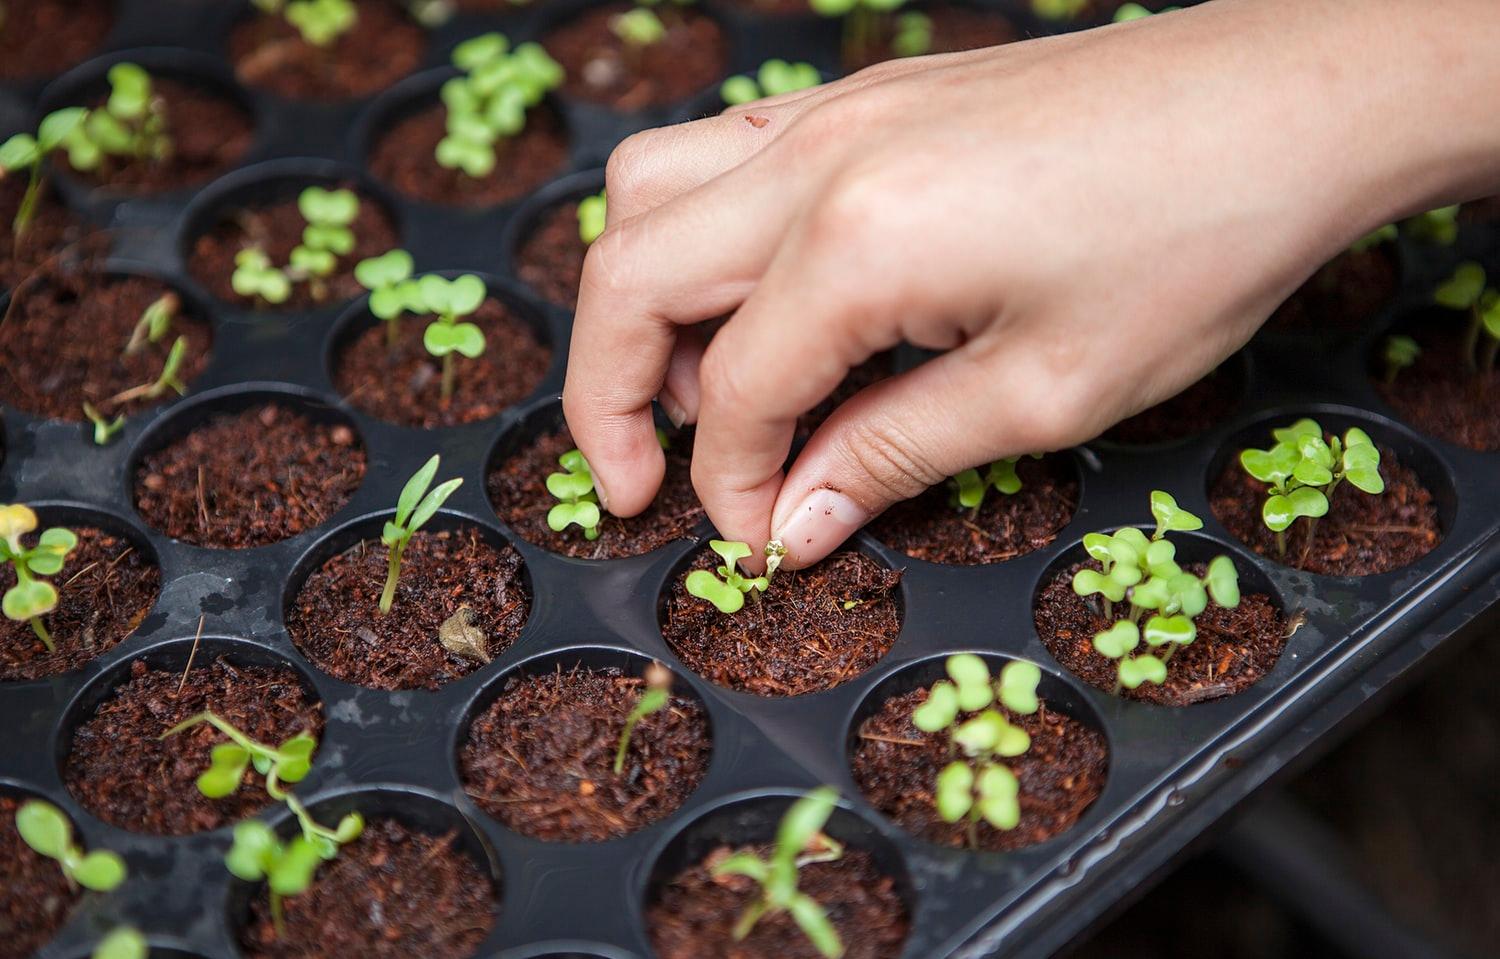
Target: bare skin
x=1085, y=224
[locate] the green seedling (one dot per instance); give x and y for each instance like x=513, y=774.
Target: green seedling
x=123, y=942
x=800, y=841
x=592, y=213
x=774, y=78
x=1059, y=10
x=47, y=831
x=638, y=28
x=287, y=867
x=27, y=153
x=414, y=507
x=32, y=597
x=155, y=322
x=228, y=763
x=448, y=301
x=392, y=289
x=170, y=378
x=912, y=36
x=578, y=501
x=1134, y=11
x=1399, y=352
x=326, y=237
x=1163, y=598
x=104, y=428
x=486, y=106
x=1468, y=290
x=727, y=589
x=320, y=22
x=1385, y=234
x=131, y=125
x=653, y=699
x=1438, y=227
x=967, y=489
x=1304, y=470
x=979, y=787
x=255, y=277
x=866, y=22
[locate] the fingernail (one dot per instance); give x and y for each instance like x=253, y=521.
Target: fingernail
x=823, y=520
x=675, y=413
x=599, y=491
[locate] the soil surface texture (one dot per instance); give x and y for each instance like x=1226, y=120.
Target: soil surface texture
x=64, y=342
x=929, y=527
x=518, y=491
x=692, y=56
x=1233, y=650
x=896, y=766
x=550, y=259
x=404, y=385
x=120, y=768
x=800, y=637
x=249, y=478
x=1343, y=296
x=445, y=574
x=403, y=157
x=383, y=46
x=1440, y=396
x=35, y=896
x=541, y=758
x=1361, y=535
x=1195, y=410
x=694, y=914
x=106, y=587
x=45, y=37
x=209, y=135
x=276, y=229
x=51, y=239
x=393, y=893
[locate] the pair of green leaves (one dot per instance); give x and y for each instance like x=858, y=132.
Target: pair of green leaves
x=1399, y=352
x=26, y=152
x=132, y=123
x=287, y=763
x=1303, y=468
x=799, y=842
x=970, y=486
x=913, y=35
x=774, y=78
x=32, y=597
x=448, y=300
x=992, y=794
x=287, y=867
x=320, y=22
x=388, y=278
x=417, y=503
x=578, y=503
x=593, y=212
x=327, y=235
x=639, y=27
x=970, y=688
x=726, y=586
x=256, y=278
x=46, y=830
x=1468, y=289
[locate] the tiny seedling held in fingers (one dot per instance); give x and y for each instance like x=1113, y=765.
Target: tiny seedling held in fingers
x=326, y=237
x=47, y=831
x=1163, y=598
x=592, y=212
x=448, y=301
x=320, y=22
x=32, y=597
x=774, y=78
x=725, y=587
x=486, y=106
x=414, y=507
x=27, y=154
x=577, y=500
x=392, y=289
x=654, y=698
x=800, y=841
x=228, y=763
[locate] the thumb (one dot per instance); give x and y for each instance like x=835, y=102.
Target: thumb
x=896, y=438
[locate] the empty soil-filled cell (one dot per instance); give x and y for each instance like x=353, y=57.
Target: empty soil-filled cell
x=381, y=47
x=550, y=258
x=122, y=770
x=46, y=37
x=541, y=757
x=249, y=478
x=459, y=602
x=690, y=57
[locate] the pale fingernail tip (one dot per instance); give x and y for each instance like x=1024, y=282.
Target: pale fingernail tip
x=676, y=415
x=821, y=522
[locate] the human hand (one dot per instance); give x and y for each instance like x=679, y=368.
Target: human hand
x=1085, y=224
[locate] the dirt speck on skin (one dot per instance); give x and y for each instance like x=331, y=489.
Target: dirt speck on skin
x=757, y=122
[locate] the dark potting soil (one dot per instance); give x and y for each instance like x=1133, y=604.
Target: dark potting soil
x=873, y=370
x=403, y=157
x=209, y=135
x=1195, y=410
x=393, y=893
x=896, y=766
x=1440, y=396
x=694, y=914
x=929, y=527
x=46, y=37
x=1486, y=210
x=1343, y=296
x=122, y=771
x=63, y=344
x=1233, y=650
x=773, y=8
x=692, y=56
x=405, y=385
x=104, y=590
x=383, y=46
x=518, y=491
x=541, y=758
x=954, y=30
x=1361, y=535
x=276, y=229
x=50, y=238
x=336, y=618
x=35, y=896
x=249, y=478
x=550, y=259
x=799, y=638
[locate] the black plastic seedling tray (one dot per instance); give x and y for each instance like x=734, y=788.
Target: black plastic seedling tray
x=1172, y=772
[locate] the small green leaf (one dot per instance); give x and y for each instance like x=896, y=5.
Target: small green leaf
x=1161, y=630
x=1118, y=640
x=1087, y=582
x=1298, y=431
x=970, y=489
x=100, y=870
x=1170, y=517
x=28, y=598
x=54, y=129
x=1463, y=289
x=1223, y=582
x=803, y=822
x=293, y=870
x=1142, y=669
x=742, y=864
x=939, y=710
x=44, y=828
x=432, y=502
x=1018, y=684
x=592, y=215
x=328, y=207
x=971, y=676
x=999, y=793
x=706, y=586
x=730, y=551
x=255, y=846
x=476, y=51
x=350, y=828
x=411, y=492
x=121, y=943
x=738, y=90
x=813, y=921
x=20, y=152
x=954, y=796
